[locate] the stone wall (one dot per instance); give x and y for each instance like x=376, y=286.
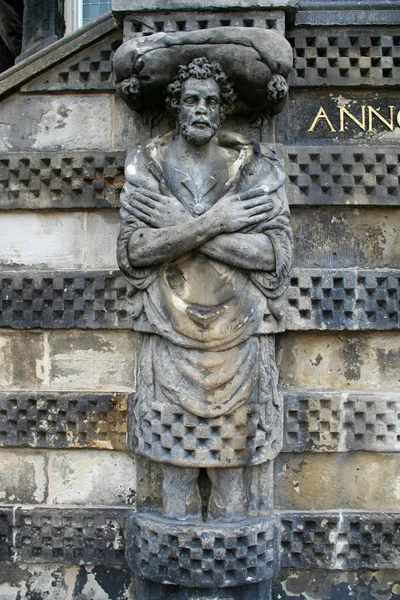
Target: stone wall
x=67, y=351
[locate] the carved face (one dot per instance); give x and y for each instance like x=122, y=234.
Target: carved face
x=199, y=111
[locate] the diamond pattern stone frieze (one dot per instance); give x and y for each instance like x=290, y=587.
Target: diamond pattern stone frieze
x=331, y=298
x=148, y=23
x=345, y=57
x=339, y=421
x=63, y=420
x=89, y=535
x=93, y=179
x=339, y=540
x=88, y=69
x=75, y=179
x=343, y=174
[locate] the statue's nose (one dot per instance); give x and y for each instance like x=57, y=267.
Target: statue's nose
x=201, y=106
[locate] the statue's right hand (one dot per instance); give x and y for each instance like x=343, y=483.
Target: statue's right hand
x=236, y=211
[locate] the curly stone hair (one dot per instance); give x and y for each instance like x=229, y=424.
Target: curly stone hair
x=201, y=68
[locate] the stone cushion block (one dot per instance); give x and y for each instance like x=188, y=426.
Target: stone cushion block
x=204, y=555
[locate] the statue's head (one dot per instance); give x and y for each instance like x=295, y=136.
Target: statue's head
x=201, y=96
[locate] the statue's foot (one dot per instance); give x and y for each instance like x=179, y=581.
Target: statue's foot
x=221, y=514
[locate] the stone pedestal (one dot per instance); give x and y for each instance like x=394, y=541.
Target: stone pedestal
x=206, y=555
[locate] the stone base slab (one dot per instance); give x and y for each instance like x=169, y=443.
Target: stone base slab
x=204, y=555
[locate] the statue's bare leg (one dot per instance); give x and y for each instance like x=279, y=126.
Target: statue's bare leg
x=180, y=493
x=228, y=500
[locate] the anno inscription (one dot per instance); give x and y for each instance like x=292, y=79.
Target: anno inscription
x=366, y=118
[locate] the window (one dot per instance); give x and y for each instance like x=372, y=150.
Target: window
x=91, y=9
x=81, y=12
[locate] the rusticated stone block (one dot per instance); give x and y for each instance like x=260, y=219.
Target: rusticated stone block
x=47, y=122
x=62, y=300
x=308, y=539
x=312, y=421
x=344, y=299
x=21, y=360
x=92, y=361
x=341, y=540
x=333, y=237
x=61, y=179
x=91, y=477
x=355, y=57
x=63, y=420
x=215, y=555
x=342, y=174
x=371, y=422
x=346, y=360
x=341, y=421
x=91, y=536
x=332, y=481
x=55, y=241
x=23, y=476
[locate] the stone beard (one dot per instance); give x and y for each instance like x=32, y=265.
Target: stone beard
x=205, y=242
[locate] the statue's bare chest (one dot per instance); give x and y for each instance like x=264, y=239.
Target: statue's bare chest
x=196, y=183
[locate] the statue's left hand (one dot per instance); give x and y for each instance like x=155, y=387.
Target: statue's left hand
x=156, y=210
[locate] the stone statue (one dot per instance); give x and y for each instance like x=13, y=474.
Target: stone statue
x=205, y=242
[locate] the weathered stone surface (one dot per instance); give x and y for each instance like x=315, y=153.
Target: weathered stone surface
x=217, y=555
x=341, y=421
x=24, y=581
x=55, y=240
x=101, y=240
x=55, y=122
x=343, y=57
x=89, y=69
x=82, y=477
x=340, y=360
x=23, y=476
x=344, y=237
x=341, y=540
x=333, y=481
x=63, y=420
x=92, y=361
x=337, y=174
x=74, y=536
x=316, y=298
x=21, y=360
x=61, y=179
x=319, y=584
